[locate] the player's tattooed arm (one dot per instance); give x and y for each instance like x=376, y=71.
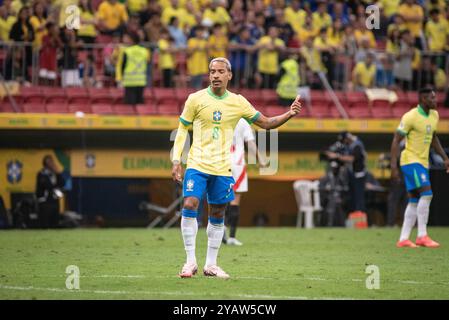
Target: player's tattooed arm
x=436, y=145
x=274, y=122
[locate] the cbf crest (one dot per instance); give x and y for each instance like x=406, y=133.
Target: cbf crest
x=190, y=185
x=217, y=115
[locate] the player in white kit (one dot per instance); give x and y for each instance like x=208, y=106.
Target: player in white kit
x=242, y=133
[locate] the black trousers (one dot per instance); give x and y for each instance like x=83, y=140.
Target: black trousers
x=134, y=95
x=49, y=214
x=358, y=193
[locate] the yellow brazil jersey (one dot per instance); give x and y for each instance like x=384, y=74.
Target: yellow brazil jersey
x=268, y=59
x=219, y=46
x=366, y=74
x=324, y=21
x=220, y=15
x=390, y=6
x=166, y=59
x=5, y=27
x=197, y=62
x=38, y=35
x=295, y=19
x=436, y=33
x=112, y=14
x=412, y=11
x=135, y=6
x=304, y=34
x=87, y=29
x=213, y=119
x=418, y=129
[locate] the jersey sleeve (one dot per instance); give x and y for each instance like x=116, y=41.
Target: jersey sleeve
x=188, y=114
x=405, y=125
x=249, y=113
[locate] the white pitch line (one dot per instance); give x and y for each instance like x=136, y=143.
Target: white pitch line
x=411, y=282
x=168, y=293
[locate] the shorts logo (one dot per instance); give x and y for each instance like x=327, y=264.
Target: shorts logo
x=229, y=190
x=217, y=115
x=190, y=184
x=428, y=128
x=423, y=177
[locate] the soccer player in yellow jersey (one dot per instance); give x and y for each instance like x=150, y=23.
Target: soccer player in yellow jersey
x=418, y=126
x=213, y=113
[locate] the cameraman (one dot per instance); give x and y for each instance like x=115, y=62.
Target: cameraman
x=355, y=156
x=49, y=183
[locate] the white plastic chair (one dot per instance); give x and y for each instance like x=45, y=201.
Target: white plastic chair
x=308, y=200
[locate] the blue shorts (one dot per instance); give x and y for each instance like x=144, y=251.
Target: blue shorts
x=218, y=188
x=415, y=176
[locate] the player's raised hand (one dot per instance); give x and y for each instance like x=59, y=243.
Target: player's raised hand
x=296, y=106
x=176, y=172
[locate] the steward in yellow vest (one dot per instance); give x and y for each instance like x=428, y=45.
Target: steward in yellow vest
x=287, y=88
x=133, y=66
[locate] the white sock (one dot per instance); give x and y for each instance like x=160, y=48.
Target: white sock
x=189, y=229
x=409, y=221
x=423, y=214
x=214, y=235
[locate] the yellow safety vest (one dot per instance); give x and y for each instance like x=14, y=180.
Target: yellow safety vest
x=135, y=72
x=287, y=87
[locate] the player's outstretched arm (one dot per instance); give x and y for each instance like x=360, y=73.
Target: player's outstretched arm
x=394, y=152
x=436, y=145
x=274, y=122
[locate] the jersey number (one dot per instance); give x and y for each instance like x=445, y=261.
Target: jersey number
x=215, y=133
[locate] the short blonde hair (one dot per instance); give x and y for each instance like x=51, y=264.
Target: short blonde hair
x=221, y=59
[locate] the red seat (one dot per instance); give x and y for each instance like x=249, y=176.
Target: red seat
x=399, y=112
x=441, y=96
x=275, y=110
x=253, y=96
x=444, y=113
x=146, y=109
x=402, y=104
x=269, y=96
x=77, y=95
x=183, y=93
x=165, y=96
x=356, y=97
x=381, y=113
x=384, y=104
x=73, y=108
x=117, y=94
x=102, y=108
x=100, y=96
x=360, y=113
x=402, y=96
x=34, y=108
x=57, y=108
x=320, y=111
x=6, y=106
x=168, y=109
x=318, y=96
x=413, y=97
x=334, y=113
x=124, y=109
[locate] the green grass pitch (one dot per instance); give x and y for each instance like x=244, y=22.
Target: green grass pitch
x=273, y=263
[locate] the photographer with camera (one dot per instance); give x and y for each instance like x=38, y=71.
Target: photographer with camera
x=355, y=156
x=49, y=183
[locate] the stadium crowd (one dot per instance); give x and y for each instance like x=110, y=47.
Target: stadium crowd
x=406, y=51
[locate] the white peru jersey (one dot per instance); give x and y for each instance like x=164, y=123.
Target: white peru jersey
x=242, y=133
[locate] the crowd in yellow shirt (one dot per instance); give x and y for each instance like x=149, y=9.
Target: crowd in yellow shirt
x=316, y=31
